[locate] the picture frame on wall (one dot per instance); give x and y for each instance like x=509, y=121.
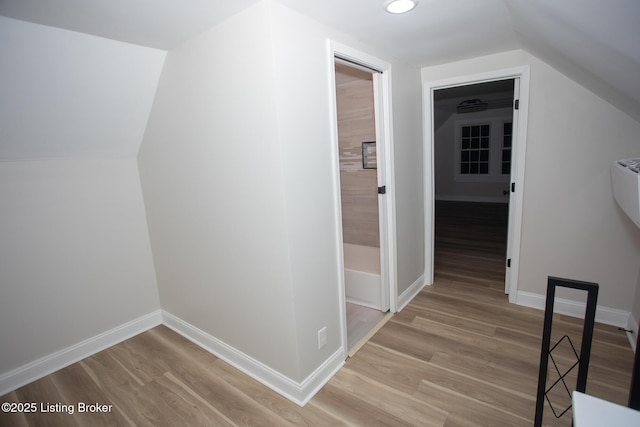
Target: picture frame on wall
x=369, y=158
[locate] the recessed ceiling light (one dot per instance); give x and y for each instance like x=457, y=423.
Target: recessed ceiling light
x=400, y=6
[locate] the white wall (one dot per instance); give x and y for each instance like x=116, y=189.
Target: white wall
x=75, y=258
x=304, y=113
x=300, y=57
x=236, y=166
x=407, y=140
x=571, y=225
x=237, y=172
x=211, y=171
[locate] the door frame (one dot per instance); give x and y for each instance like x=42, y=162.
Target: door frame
x=385, y=172
x=517, y=166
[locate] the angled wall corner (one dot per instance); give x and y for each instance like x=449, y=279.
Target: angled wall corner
x=74, y=235
x=210, y=167
x=68, y=94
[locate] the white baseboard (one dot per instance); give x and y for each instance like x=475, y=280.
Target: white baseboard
x=60, y=359
x=297, y=392
x=606, y=315
x=413, y=290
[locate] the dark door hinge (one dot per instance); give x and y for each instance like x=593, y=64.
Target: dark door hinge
x=513, y=187
x=516, y=104
x=382, y=190
x=509, y=263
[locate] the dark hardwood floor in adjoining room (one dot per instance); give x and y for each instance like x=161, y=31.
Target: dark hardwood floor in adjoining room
x=471, y=241
x=458, y=355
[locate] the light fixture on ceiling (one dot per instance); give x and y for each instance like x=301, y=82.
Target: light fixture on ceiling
x=471, y=105
x=400, y=6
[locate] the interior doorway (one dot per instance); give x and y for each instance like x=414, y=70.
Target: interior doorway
x=365, y=181
x=515, y=183
x=473, y=135
x=358, y=160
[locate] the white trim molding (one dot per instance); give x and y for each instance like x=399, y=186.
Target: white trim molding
x=386, y=175
x=297, y=392
x=411, y=292
x=46, y=365
x=606, y=315
x=522, y=74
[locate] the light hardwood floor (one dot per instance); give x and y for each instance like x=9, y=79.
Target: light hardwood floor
x=458, y=355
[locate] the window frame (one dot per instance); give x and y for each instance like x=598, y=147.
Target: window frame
x=496, y=138
x=503, y=148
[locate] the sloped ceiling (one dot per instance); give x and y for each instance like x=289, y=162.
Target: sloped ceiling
x=588, y=33
x=65, y=94
x=596, y=43
x=160, y=24
x=88, y=92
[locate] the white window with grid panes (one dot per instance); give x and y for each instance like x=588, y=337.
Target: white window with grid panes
x=483, y=149
x=505, y=161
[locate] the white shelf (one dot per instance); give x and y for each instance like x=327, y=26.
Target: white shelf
x=625, y=181
x=589, y=411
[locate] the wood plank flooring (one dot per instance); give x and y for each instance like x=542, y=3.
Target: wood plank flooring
x=458, y=355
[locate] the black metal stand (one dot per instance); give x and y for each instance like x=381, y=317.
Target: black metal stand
x=634, y=391
x=546, y=351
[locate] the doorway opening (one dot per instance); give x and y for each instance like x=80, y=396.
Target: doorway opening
x=364, y=178
x=472, y=146
x=357, y=148
x=468, y=158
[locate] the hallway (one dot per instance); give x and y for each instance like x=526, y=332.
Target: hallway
x=458, y=355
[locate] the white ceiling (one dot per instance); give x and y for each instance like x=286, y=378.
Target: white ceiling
x=436, y=31
x=161, y=24
x=595, y=42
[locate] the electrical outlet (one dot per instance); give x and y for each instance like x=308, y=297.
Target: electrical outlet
x=322, y=337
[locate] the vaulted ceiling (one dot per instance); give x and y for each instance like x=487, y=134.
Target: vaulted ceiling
x=594, y=42
x=161, y=24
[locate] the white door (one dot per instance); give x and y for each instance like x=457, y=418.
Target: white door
x=383, y=204
x=512, y=186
